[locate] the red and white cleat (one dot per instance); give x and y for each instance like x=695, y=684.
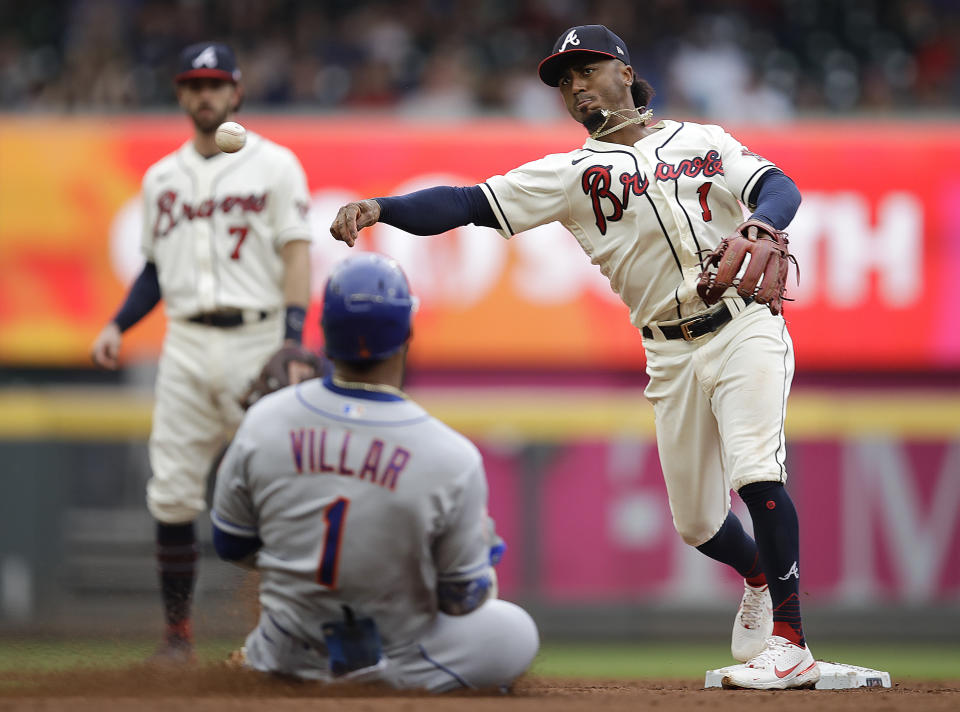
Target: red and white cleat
x=781, y=665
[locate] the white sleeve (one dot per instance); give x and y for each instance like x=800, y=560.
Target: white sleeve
x=148, y=209
x=742, y=167
x=233, y=510
x=528, y=196
x=462, y=551
x=290, y=202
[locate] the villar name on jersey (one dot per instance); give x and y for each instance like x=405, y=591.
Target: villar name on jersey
x=311, y=455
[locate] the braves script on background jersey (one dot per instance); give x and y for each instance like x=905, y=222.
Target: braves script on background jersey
x=214, y=226
x=643, y=213
x=359, y=497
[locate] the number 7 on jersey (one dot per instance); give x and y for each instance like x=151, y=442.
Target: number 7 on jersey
x=334, y=516
x=240, y=232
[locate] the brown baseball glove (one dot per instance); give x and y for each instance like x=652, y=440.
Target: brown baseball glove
x=275, y=373
x=769, y=259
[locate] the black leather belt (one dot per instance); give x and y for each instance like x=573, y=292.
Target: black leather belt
x=694, y=327
x=226, y=319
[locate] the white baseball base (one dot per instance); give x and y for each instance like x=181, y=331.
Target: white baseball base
x=833, y=676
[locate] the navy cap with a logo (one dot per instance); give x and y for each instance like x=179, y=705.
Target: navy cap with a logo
x=208, y=60
x=583, y=39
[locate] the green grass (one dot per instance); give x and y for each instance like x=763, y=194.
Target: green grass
x=615, y=661
x=44, y=655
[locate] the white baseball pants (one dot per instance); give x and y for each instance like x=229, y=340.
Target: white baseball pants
x=203, y=372
x=719, y=405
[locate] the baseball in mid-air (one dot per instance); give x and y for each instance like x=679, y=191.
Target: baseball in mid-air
x=230, y=137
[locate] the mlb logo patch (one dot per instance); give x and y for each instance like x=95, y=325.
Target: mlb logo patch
x=353, y=410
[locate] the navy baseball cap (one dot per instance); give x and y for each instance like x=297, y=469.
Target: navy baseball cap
x=208, y=60
x=583, y=39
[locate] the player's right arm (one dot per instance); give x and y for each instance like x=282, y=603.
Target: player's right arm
x=426, y=212
x=144, y=293
x=143, y=296
x=526, y=197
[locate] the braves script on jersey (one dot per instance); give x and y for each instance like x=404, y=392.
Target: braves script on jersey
x=214, y=226
x=359, y=497
x=643, y=213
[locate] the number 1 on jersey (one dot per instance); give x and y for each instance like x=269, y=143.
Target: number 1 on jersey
x=702, y=192
x=334, y=515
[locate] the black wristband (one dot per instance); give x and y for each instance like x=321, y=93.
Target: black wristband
x=293, y=323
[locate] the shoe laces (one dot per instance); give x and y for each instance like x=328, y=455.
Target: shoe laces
x=752, y=605
x=774, y=648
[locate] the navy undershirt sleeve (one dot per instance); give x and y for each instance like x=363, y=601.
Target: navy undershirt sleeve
x=777, y=199
x=231, y=547
x=143, y=297
x=435, y=210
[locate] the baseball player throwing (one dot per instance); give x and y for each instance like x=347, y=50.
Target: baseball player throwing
x=657, y=205
x=366, y=517
x=226, y=242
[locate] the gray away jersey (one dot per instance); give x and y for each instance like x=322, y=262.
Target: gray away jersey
x=359, y=497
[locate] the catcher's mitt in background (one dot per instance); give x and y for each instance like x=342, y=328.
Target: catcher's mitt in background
x=275, y=373
x=769, y=259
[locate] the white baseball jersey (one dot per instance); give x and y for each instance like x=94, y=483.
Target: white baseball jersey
x=360, y=497
x=214, y=226
x=643, y=213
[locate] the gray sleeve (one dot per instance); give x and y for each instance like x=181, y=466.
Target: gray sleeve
x=233, y=509
x=462, y=551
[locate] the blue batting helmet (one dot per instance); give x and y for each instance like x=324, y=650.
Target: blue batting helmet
x=367, y=309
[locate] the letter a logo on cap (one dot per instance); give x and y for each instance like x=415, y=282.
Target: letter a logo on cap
x=207, y=58
x=571, y=38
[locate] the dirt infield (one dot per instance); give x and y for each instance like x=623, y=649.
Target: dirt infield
x=217, y=689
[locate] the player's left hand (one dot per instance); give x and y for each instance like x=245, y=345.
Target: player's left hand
x=352, y=218
x=495, y=542
x=293, y=363
x=765, y=277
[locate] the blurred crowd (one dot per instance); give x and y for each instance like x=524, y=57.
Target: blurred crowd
x=759, y=60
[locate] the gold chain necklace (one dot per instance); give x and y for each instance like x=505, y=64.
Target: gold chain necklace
x=374, y=387
x=642, y=119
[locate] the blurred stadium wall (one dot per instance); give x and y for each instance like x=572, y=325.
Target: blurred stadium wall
x=523, y=347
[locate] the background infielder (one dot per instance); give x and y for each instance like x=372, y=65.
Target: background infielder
x=366, y=517
x=226, y=242
x=647, y=201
